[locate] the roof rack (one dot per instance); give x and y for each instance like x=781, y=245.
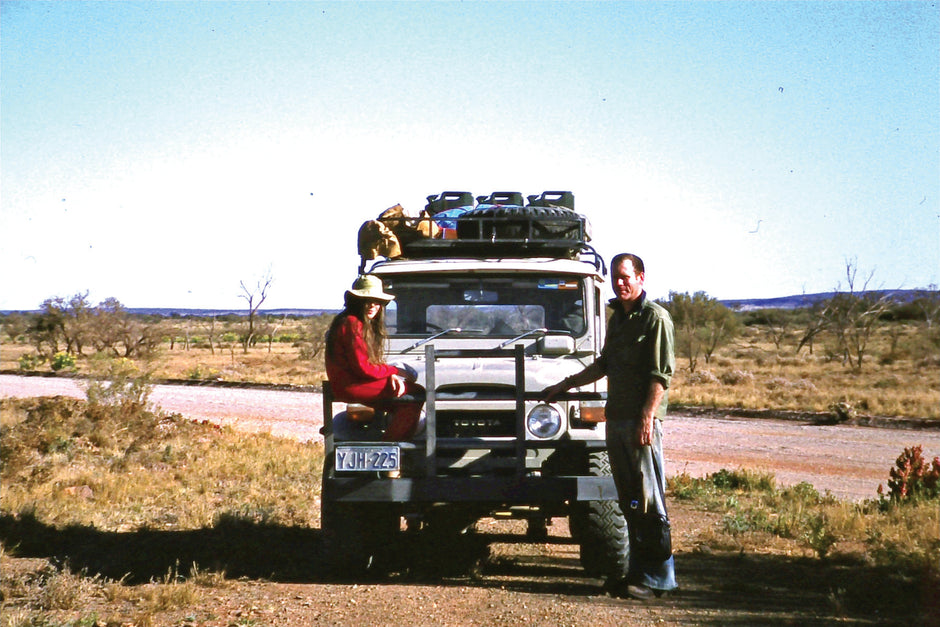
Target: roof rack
x=501, y=225
x=498, y=225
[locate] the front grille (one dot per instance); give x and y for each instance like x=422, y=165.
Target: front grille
x=475, y=424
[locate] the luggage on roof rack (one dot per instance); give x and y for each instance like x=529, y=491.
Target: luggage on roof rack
x=493, y=230
x=499, y=226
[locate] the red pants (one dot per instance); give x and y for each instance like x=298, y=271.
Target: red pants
x=405, y=412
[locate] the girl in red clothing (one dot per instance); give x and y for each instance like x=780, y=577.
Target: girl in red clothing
x=355, y=364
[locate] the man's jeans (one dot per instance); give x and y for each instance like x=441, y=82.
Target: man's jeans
x=641, y=483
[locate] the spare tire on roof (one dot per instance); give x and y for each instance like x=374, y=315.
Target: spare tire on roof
x=500, y=222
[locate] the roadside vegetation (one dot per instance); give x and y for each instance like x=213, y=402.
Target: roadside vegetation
x=858, y=353
x=115, y=513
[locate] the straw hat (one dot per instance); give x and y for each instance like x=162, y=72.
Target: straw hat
x=370, y=287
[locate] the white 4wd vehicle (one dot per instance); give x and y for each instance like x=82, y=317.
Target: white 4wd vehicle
x=512, y=305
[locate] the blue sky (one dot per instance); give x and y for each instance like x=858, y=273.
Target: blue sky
x=162, y=152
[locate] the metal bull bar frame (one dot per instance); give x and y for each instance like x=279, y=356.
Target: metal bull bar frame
x=426, y=486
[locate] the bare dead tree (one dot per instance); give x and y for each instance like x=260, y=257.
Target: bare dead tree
x=928, y=304
x=254, y=297
x=814, y=329
x=210, y=330
x=777, y=324
x=273, y=332
x=851, y=315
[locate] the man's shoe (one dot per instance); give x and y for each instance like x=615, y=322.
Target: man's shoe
x=640, y=592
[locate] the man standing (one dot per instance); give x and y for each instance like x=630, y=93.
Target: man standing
x=638, y=360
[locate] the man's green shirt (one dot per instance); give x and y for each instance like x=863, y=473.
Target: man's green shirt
x=639, y=347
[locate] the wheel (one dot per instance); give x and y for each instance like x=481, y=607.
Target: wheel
x=530, y=211
x=355, y=535
x=512, y=222
x=600, y=529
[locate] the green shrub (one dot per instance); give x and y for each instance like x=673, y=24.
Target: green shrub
x=686, y=487
x=62, y=361
x=746, y=480
x=819, y=535
x=200, y=372
x=30, y=362
x=803, y=491
x=117, y=382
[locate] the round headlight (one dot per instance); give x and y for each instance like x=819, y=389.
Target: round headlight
x=544, y=421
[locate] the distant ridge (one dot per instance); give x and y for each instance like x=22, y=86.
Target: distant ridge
x=780, y=302
x=741, y=304
x=808, y=300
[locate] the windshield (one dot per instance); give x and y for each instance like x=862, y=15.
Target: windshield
x=500, y=306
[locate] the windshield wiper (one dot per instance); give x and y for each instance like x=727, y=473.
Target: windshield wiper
x=433, y=337
x=519, y=337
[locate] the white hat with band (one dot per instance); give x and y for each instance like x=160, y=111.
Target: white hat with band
x=370, y=287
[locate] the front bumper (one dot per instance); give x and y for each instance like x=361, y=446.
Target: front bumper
x=527, y=490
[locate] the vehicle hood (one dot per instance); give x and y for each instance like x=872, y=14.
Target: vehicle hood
x=540, y=372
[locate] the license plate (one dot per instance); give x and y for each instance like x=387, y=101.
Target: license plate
x=367, y=458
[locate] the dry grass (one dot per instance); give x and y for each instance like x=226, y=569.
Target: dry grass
x=117, y=470
x=121, y=490
x=282, y=365
x=901, y=376
x=759, y=518
x=292, y=359
x=752, y=374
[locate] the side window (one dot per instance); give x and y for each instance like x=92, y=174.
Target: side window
x=568, y=314
x=391, y=318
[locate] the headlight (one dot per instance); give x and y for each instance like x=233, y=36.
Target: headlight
x=544, y=421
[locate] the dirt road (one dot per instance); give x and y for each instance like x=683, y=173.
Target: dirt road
x=849, y=461
x=274, y=577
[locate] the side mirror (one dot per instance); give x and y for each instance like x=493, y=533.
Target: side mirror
x=555, y=345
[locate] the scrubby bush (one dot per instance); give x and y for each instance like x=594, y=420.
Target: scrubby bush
x=62, y=361
x=913, y=477
x=746, y=480
x=842, y=410
x=30, y=362
x=703, y=377
x=200, y=373
x=702, y=325
x=117, y=382
x=736, y=377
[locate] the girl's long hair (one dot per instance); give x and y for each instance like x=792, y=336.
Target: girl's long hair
x=373, y=331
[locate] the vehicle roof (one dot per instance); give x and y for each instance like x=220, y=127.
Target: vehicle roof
x=542, y=265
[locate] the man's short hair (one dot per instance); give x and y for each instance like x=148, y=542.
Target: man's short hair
x=638, y=267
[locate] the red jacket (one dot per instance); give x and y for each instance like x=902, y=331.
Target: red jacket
x=352, y=376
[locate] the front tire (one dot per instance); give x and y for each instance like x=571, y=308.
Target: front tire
x=600, y=529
